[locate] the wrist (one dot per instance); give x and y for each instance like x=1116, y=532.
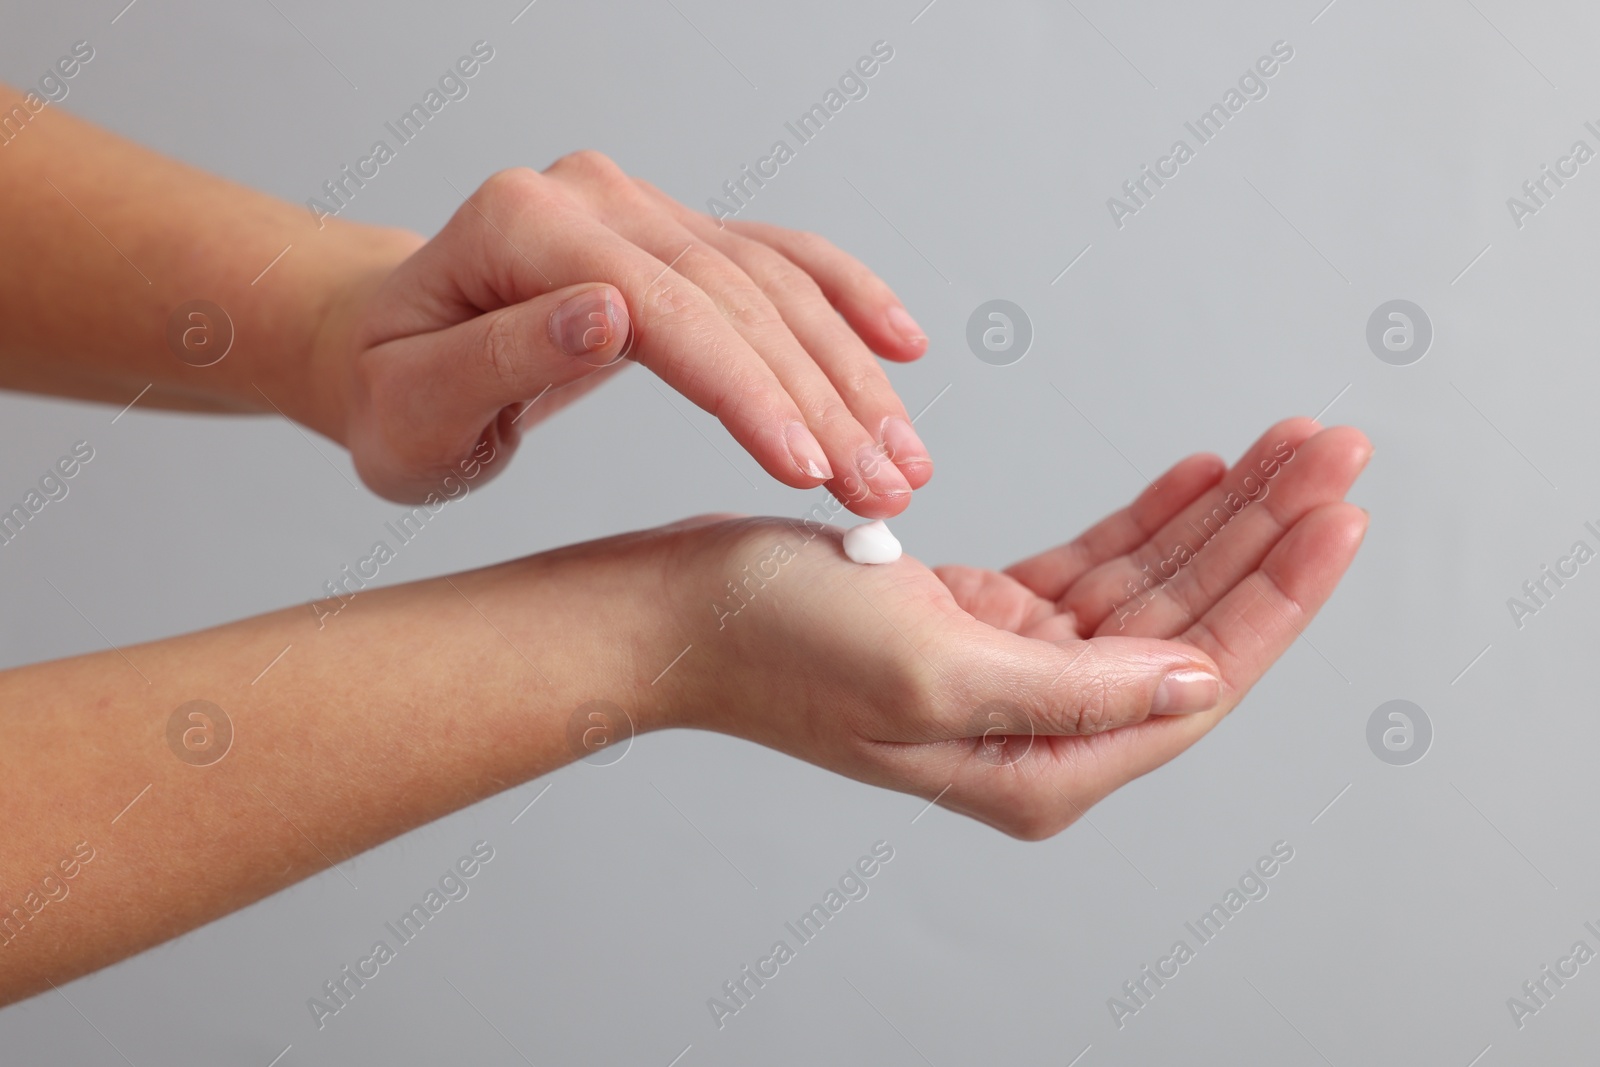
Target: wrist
x=631, y=631
x=337, y=299
x=726, y=589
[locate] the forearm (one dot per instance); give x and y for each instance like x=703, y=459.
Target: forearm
x=410, y=703
x=105, y=239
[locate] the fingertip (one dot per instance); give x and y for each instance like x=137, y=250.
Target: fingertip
x=1294, y=430
x=1356, y=518
x=888, y=330
x=591, y=324
x=1203, y=468
x=1357, y=439
x=906, y=451
x=781, y=448
x=869, y=483
x=1341, y=528
x=1186, y=691
x=806, y=454
x=874, y=505
x=905, y=328
x=1349, y=445
x=917, y=475
x=1312, y=557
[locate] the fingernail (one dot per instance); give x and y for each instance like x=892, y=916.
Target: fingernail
x=1186, y=691
x=902, y=323
x=586, y=323
x=806, y=452
x=879, y=474
x=905, y=448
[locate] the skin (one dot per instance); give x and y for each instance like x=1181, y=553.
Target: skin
x=1019, y=697
x=411, y=352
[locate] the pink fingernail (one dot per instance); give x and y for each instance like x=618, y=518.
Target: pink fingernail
x=586, y=323
x=806, y=452
x=879, y=474
x=905, y=448
x=902, y=323
x=1186, y=691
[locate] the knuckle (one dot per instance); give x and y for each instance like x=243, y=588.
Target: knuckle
x=1095, y=710
x=749, y=308
x=594, y=168
x=512, y=185
x=865, y=380
x=669, y=302
x=502, y=349
x=826, y=411
x=1092, y=706
x=585, y=161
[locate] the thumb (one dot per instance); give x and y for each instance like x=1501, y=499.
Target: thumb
x=435, y=395
x=1088, y=687
x=515, y=353
x=462, y=377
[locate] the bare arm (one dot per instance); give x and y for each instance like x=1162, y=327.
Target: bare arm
x=412, y=353
x=1020, y=698
x=405, y=706
x=104, y=240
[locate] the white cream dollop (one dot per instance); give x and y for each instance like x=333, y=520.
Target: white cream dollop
x=871, y=542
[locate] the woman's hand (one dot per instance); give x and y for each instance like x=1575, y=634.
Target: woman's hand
x=543, y=282
x=1023, y=697
x=1019, y=698
x=413, y=353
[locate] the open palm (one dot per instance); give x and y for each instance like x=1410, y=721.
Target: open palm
x=1021, y=697
x=1232, y=562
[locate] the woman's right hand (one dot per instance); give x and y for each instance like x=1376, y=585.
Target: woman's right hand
x=543, y=282
x=1020, y=698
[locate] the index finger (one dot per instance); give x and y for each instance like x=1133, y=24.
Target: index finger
x=527, y=235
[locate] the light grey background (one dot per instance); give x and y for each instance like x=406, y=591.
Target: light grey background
x=1377, y=168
